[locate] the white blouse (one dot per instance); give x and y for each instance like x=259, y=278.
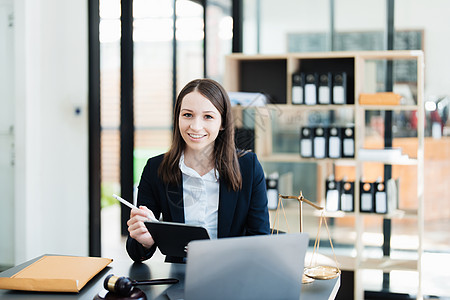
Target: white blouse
x=201, y=198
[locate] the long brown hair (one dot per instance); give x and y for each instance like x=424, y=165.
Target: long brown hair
x=226, y=159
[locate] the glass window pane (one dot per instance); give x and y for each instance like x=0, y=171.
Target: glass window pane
x=219, y=37
x=190, y=36
x=152, y=35
x=286, y=27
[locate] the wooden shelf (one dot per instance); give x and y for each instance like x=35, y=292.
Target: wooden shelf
x=389, y=107
x=322, y=107
x=401, y=162
x=272, y=75
x=396, y=214
x=387, y=264
x=292, y=157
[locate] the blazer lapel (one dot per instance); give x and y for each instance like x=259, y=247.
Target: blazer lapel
x=175, y=203
x=227, y=205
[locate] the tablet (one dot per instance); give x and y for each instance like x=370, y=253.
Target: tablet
x=172, y=238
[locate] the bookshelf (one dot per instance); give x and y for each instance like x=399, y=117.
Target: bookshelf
x=280, y=120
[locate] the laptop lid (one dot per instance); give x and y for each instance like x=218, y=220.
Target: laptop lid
x=255, y=267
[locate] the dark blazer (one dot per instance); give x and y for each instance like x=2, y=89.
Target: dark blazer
x=240, y=213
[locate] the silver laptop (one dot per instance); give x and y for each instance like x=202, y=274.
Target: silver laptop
x=256, y=267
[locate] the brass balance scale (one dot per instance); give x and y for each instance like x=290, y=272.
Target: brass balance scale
x=313, y=271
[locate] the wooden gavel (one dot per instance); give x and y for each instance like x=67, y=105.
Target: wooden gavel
x=124, y=285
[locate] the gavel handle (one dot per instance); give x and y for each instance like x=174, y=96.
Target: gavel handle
x=155, y=281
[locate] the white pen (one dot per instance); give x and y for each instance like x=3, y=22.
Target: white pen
x=125, y=202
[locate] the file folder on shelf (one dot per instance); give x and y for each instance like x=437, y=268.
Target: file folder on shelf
x=384, y=98
x=310, y=89
x=347, y=196
x=55, y=274
x=381, y=205
x=272, y=190
x=367, y=195
x=348, y=142
x=334, y=142
x=320, y=147
x=324, y=90
x=332, y=202
x=306, y=142
x=340, y=88
x=298, y=80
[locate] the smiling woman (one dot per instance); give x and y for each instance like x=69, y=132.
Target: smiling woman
x=203, y=179
x=199, y=125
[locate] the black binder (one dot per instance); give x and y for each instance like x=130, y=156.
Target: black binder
x=272, y=191
x=324, y=89
x=244, y=138
x=298, y=80
x=339, y=91
x=348, y=142
x=306, y=142
x=366, y=197
x=320, y=140
x=334, y=142
x=310, y=89
x=347, y=196
x=333, y=194
x=381, y=203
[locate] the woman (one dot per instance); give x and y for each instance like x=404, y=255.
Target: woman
x=202, y=179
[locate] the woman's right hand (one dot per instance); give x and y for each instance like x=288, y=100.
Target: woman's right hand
x=137, y=228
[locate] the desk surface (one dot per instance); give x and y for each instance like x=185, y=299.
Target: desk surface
x=153, y=268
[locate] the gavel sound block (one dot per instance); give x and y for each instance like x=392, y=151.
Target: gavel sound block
x=124, y=287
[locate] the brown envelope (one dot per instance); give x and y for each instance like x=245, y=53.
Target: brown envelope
x=56, y=274
x=386, y=98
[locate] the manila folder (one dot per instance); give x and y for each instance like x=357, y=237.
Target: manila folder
x=56, y=274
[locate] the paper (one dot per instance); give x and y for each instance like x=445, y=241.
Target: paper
x=56, y=274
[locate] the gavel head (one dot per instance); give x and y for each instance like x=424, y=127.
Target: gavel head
x=119, y=285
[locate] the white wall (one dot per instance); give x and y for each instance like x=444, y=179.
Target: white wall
x=433, y=18
x=51, y=183
x=278, y=18
x=6, y=133
x=291, y=16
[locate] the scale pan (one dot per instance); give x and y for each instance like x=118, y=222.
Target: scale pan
x=322, y=272
x=306, y=279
